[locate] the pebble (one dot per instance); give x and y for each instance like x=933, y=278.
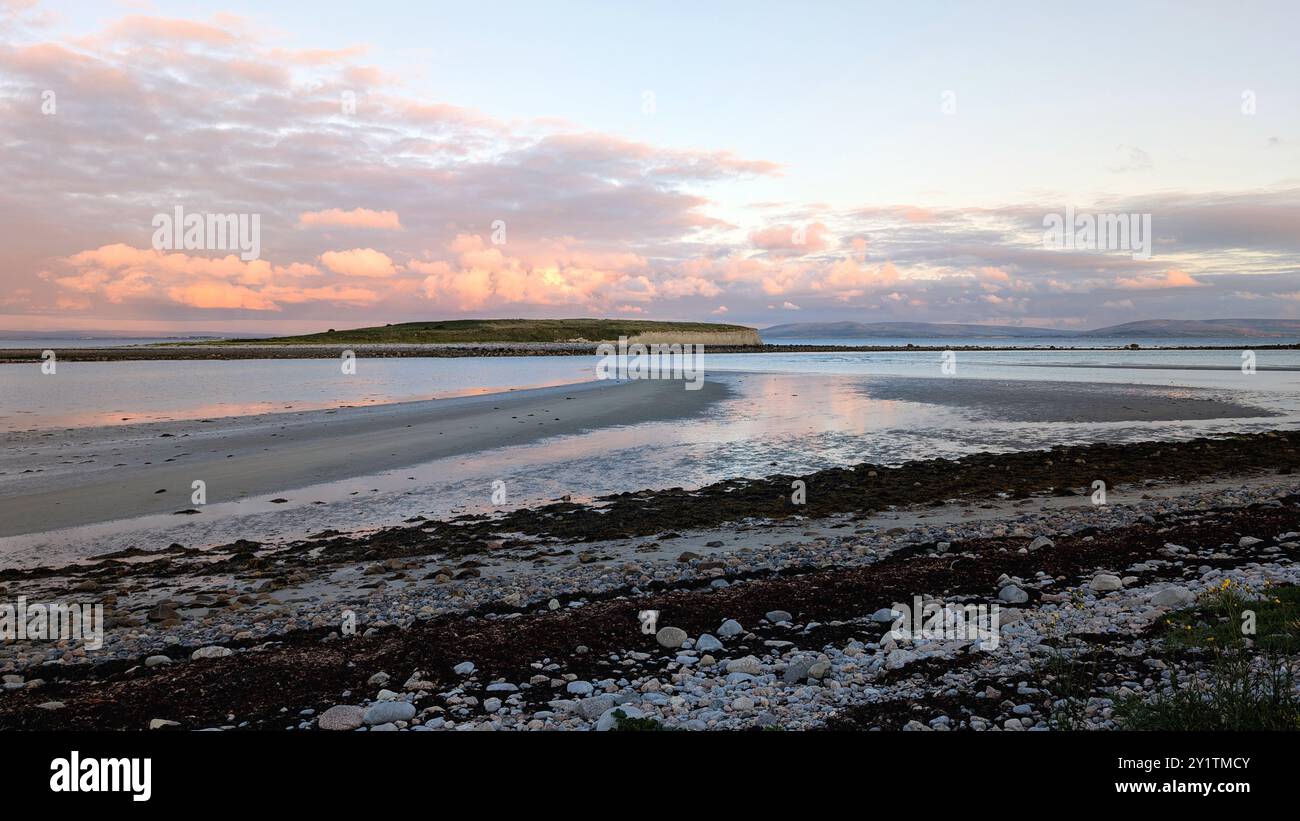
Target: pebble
x=382, y=712
x=609, y=721
x=1176, y=597
x=797, y=670
x=730, y=628
x=1011, y=594
x=341, y=717
x=671, y=637
x=1105, y=583
x=592, y=708
x=707, y=643
x=748, y=664
x=211, y=652
x=579, y=688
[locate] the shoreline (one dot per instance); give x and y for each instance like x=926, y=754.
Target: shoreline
x=269, y=625
x=173, y=351
x=130, y=480
x=149, y=467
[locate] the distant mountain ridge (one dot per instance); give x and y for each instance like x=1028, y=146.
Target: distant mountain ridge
x=1151, y=328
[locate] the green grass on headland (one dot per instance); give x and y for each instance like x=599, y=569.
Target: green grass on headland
x=519, y=330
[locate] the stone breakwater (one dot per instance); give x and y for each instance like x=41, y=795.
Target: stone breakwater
x=791, y=635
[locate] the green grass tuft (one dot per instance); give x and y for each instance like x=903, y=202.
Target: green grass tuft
x=1248, y=683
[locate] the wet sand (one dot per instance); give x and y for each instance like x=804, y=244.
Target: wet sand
x=57, y=479
x=1024, y=401
x=81, y=476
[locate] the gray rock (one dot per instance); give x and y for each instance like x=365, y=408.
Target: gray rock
x=748, y=664
x=154, y=661
x=580, y=688
x=1040, y=542
x=730, y=628
x=1248, y=541
x=776, y=616
x=592, y=708
x=885, y=615
x=898, y=658
x=608, y=720
x=1105, y=582
x=671, y=637
x=464, y=668
x=819, y=669
x=492, y=704
x=1011, y=594
x=797, y=670
x=211, y=652
x=1174, y=597
x=341, y=717
x=707, y=643
x=378, y=680
x=383, y=712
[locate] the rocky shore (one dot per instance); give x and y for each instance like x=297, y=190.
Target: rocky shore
x=766, y=616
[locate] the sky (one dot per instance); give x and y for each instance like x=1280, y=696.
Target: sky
x=755, y=163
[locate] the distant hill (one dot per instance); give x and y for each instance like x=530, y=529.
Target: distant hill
x=1246, y=328
x=928, y=330
x=524, y=330
x=1149, y=328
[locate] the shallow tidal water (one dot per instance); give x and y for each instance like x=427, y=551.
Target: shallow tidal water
x=787, y=413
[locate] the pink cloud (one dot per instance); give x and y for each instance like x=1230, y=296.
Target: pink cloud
x=159, y=28
x=359, y=262
x=791, y=240
x=356, y=218
x=213, y=294
x=1171, y=279
x=121, y=274
x=553, y=273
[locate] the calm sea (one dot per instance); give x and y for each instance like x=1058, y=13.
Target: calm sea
x=109, y=393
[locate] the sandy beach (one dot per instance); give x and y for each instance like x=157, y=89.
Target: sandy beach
x=61, y=478
x=55, y=480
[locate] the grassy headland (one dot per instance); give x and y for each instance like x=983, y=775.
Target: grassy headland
x=471, y=331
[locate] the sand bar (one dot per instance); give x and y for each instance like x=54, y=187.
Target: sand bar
x=66, y=478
